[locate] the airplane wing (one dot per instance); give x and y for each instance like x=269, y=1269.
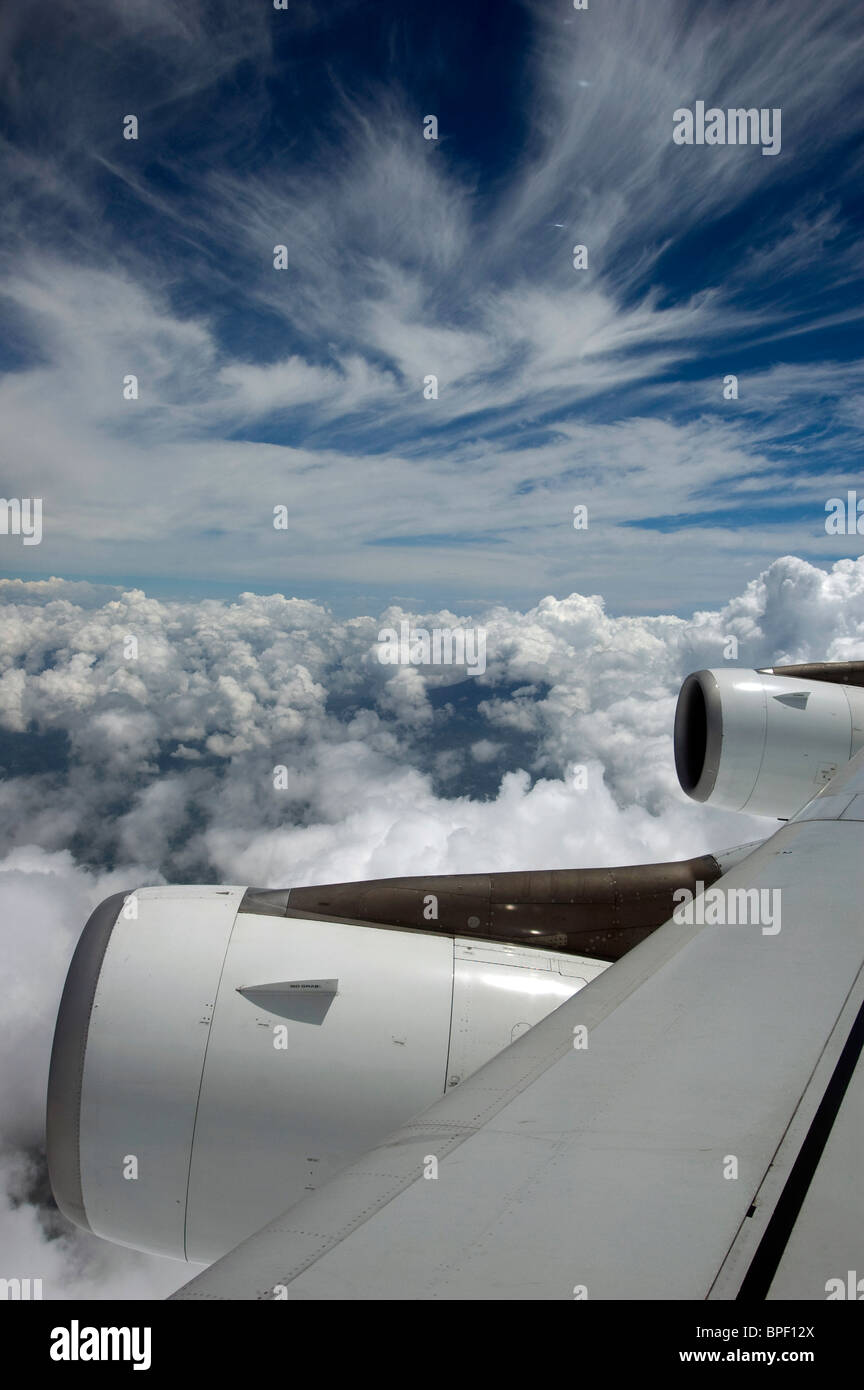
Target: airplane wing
x=688, y=1126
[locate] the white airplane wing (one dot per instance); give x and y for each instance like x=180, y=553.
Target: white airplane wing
x=700, y=1140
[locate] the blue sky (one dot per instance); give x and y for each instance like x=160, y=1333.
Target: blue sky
x=407, y=257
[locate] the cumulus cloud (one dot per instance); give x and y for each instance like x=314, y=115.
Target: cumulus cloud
x=121, y=772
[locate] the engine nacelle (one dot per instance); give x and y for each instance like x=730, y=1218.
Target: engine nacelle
x=212, y=1063
x=758, y=742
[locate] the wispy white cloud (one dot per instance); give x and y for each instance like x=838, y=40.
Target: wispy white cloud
x=402, y=265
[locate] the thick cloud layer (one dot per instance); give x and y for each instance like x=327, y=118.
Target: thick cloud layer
x=123, y=769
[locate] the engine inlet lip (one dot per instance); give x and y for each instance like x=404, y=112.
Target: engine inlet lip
x=66, y=1075
x=698, y=736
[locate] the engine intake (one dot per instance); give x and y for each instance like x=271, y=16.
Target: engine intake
x=764, y=743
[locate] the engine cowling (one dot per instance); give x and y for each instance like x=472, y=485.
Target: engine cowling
x=213, y=1062
x=763, y=743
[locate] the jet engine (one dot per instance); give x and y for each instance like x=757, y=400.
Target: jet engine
x=219, y=1052
x=763, y=742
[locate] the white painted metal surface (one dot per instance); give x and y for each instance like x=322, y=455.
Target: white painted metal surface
x=827, y=1243
x=499, y=992
x=293, y=1086
x=603, y=1171
x=236, y=1061
x=782, y=739
x=145, y=1050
